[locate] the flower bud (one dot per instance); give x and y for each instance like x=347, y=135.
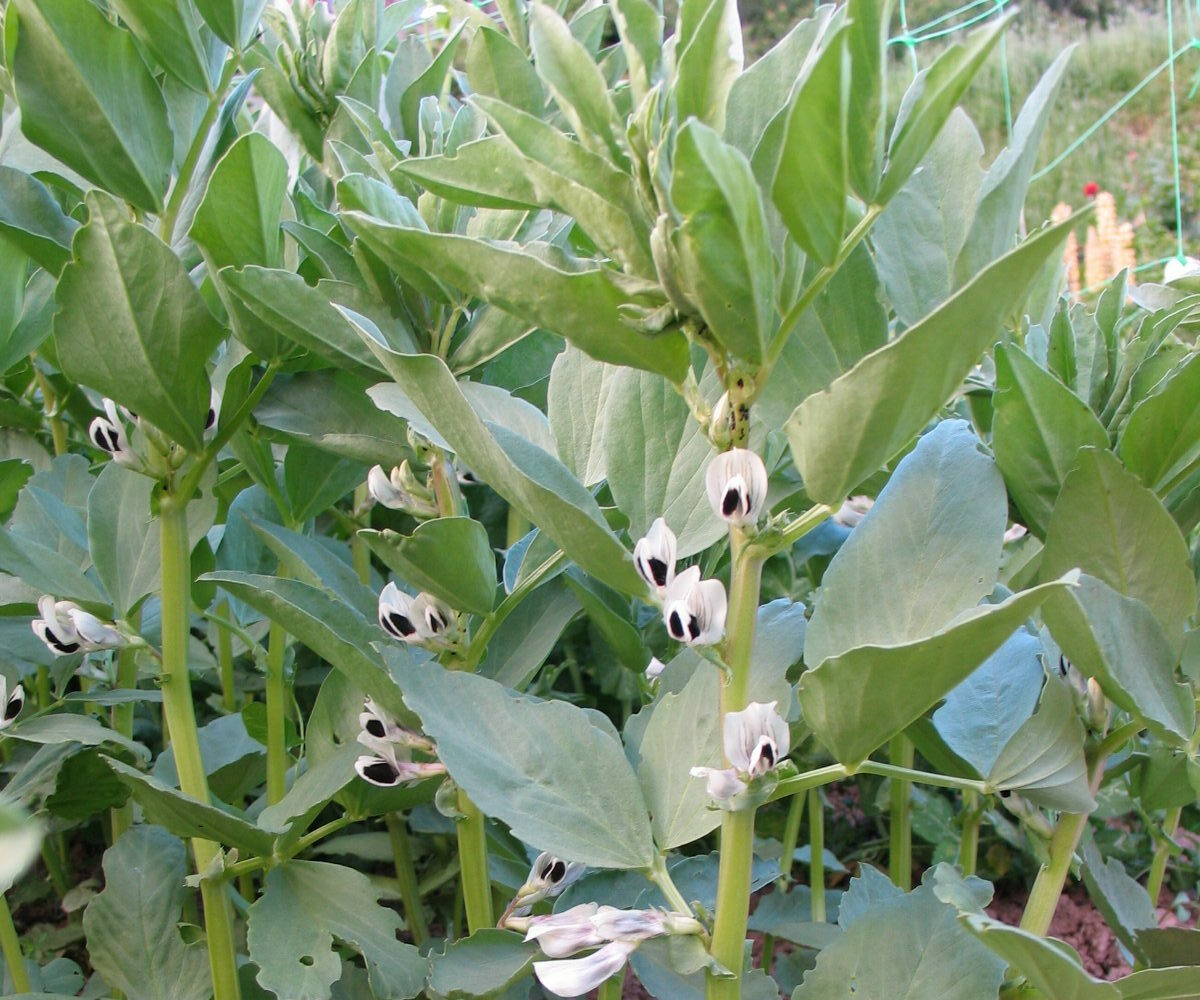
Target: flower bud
x=654, y=556
x=10, y=703
x=737, y=486
x=654, y=668
x=694, y=611
x=853, y=510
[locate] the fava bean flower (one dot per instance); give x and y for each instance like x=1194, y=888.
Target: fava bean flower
x=756, y=739
x=386, y=769
x=737, y=486
x=108, y=434
x=548, y=877
x=654, y=668
x=694, y=609
x=10, y=703
x=66, y=628
x=654, y=556
x=417, y=620
x=379, y=727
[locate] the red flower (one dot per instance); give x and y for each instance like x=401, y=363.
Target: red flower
x=1091, y=189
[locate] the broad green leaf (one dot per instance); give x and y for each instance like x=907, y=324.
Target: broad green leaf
x=1113, y=528
x=20, y=838
x=123, y=536
x=331, y=629
x=87, y=98
x=811, y=180
x=45, y=569
x=489, y=173
x=921, y=233
x=1117, y=640
x=721, y=240
x=533, y=481
x=132, y=926
x=33, y=221
x=683, y=731
x=788, y=915
x=331, y=410
x=429, y=83
x=764, y=89
x=1052, y=967
x=944, y=507
x=859, y=700
x=232, y=21
x=574, y=80
x=1160, y=984
x=498, y=68
x=843, y=434
x=1160, y=442
x=655, y=457
x=352, y=37
x=527, y=636
x=323, y=562
x=577, y=405
x=930, y=99
x=846, y=322
x=1002, y=196
x=171, y=31
x=1044, y=759
x=867, y=42
x=237, y=222
x=187, y=817
x=640, y=27
x=708, y=59
x=1169, y=946
x=481, y=965
x=611, y=617
x=580, y=305
x=1037, y=430
x=63, y=727
x=314, y=480
x=450, y=557
x=132, y=325
x=981, y=715
x=308, y=314
x=911, y=945
x=309, y=794
x=562, y=784
x=1123, y=902
x=234, y=761
x=307, y=905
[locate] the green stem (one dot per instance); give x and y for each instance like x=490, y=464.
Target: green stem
x=42, y=685
x=816, y=854
x=792, y=533
x=809, y=779
x=58, y=430
x=1158, y=867
x=791, y=837
x=968, y=848
x=492, y=622
x=737, y=828
x=895, y=771
x=10, y=944
x=122, y=722
x=900, y=823
x=166, y=222
x=818, y=284
x=52, y=859
x=406, y=875
x=276, y=698
x=516, y=528
x=225, y=659
x=472, y=856
x=180, y=716
x=659, y=875
x=360, y=552
x=320, y=833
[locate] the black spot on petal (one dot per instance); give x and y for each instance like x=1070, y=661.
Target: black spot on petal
x=730, y=502
x=693, y=627
x=398, y=625
x=768, y=754
x=13, y=708
x=658, y=571
x=675, y=625
x=375, y=728
x=380, y=772
x=557, y=871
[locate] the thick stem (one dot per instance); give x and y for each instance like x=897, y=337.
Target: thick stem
x=472, y=856
x=276, y=697
x=1158, y=867
x=816, y=854
x=737, y=828
x=406, y=875
x=58, y=430
x=42, y=684
x=659, y=875
x=10, y=944
x=968, y=848
x=122, y=721
x=225, y=659
x=180, y=716
x=360, y=552
x=900, y=828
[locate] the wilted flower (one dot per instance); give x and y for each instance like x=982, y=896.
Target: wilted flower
x=419, y=619
x=853, y=510
x=654, y=556
x=573, y=977
x=66, y=628
x=737, y=486
x=10, y=704
x=654, y=668
x=694, y=610
x=548, y=877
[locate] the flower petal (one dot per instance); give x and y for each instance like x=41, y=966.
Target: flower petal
x=576, y=976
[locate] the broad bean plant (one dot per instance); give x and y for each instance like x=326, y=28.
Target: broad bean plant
x=472, y=484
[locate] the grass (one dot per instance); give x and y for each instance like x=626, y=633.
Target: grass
x=1129, y=156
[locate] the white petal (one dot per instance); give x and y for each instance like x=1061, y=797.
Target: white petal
x=1189, y=267
x=10, y=704
x=744, y=730
x=736, y=483
x=576, y=976
x=654, y=556
x=723, y=784
x=614, y=924
x=381, y=489
x=710, y=604
x=654, y=668
x=563, y=934
x=396, y=614
x=431, y=616
x=95, y=633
